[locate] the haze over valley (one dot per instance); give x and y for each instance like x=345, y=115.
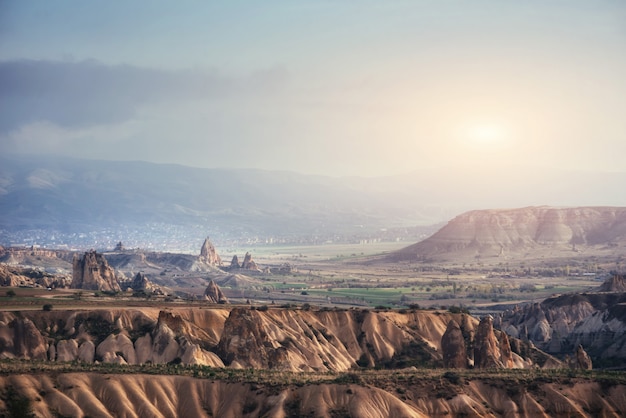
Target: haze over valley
x=329, y=209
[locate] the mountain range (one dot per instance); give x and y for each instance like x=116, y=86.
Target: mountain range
x=73, y=195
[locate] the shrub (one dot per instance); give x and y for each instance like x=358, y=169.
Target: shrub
x=47, y=307
x=452, y=377
x=458, y=309
x=11, y=293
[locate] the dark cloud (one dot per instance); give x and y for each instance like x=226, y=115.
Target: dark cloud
x=76, y=94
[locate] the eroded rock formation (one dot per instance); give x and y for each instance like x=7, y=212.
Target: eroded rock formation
x=245, y=337
x=248, y=263
x=92, y=272
x=214, y=294
x=453, y=347
x=557, y=325
x=15, y=276
x=491, y=352
x=140, y=283
x=234, y=263
x=615, y=283
x=208, y=254
x=581, y=359
x=287, y=339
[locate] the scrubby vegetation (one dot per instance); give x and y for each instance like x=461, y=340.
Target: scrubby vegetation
x=364, y=377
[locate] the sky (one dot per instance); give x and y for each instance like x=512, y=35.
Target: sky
x=340, y=88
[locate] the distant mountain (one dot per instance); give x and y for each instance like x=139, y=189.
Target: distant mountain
x=63, y=195
x=493, y=233
x=72, y=195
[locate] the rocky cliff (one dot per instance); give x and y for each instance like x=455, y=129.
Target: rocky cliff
x=558, y=325
x=32, y=255
x=492, y=233
x=287, y=339
x=92, y=272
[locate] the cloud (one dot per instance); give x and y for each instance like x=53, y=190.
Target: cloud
x=87, y=93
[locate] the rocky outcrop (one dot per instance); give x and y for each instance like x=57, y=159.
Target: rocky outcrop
x=234, y=263
x=20, y=338
x=245, y=337
x=581, y=359
x=214, y=294
x=140, y=283
x=92, y=272
x=506, y=354
x=248, y=263
x=486, y=348
x=615, y=283
x=15, y=276
x=34, y=255
x=453, y=347
x=208, y=254
x=9, y=277
x=496, y=232
x=559, y=324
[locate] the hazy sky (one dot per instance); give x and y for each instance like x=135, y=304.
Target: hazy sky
x=325, y=87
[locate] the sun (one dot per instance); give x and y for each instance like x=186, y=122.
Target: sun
x=486, y=134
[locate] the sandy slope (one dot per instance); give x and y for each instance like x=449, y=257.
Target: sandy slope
x=111, y=395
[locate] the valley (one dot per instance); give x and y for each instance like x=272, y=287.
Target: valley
x=459, y=330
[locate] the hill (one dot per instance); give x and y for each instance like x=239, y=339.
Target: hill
x=506, y=233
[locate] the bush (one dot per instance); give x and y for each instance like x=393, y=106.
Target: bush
x=452, y=377
x=458, y=309
x=47, y=307
x=11, y=293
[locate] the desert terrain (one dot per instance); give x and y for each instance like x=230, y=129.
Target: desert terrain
x=494, y=324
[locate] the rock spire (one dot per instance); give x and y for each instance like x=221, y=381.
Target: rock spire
x=208, y=254
x=91, y=271
x=214, y=294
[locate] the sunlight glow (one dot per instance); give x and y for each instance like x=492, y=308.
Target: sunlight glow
x=486, y=134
